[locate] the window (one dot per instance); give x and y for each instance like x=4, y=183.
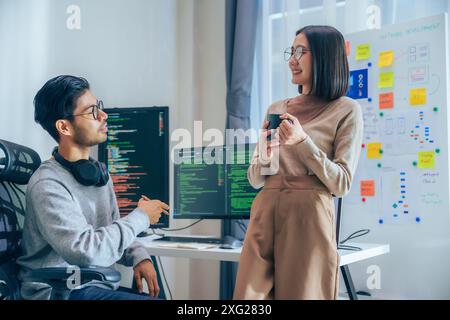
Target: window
x=280, y=19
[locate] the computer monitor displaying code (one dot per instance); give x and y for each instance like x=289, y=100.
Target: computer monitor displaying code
x=216, y=188
x=136, y=153
x=239, y=193
x=199, y=187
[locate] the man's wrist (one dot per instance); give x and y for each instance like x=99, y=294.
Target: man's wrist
x=143, y=261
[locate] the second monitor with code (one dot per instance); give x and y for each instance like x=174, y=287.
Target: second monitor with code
x=211, y=182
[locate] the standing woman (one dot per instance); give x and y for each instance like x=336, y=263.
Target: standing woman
x=290, y=247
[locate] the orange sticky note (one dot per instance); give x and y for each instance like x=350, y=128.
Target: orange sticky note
x=386, y=100
x=347, y=47
x=368, y=188
x=385, y=59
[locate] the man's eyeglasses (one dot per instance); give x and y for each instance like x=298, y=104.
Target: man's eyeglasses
x=94, y=110
x=296, y=52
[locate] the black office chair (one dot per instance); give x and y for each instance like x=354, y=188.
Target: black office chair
x=17, y=164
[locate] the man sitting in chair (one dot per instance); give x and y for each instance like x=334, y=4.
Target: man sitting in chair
x=72, y=217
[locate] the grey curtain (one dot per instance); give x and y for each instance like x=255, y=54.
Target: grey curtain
x=240, y=28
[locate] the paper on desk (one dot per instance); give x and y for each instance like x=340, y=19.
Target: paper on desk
x=187, y=245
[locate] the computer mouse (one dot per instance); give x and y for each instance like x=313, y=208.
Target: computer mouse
x=229, y=242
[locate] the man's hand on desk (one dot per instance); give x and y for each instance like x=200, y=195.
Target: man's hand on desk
x=145, y=270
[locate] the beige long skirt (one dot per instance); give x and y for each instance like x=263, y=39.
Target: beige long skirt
x=290, y=249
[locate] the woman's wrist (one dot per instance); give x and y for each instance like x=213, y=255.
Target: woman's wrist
x=301, y=139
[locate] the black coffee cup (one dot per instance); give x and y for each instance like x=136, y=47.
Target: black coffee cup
x=274, y=122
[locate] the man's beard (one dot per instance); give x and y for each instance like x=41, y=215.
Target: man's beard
x=82, y=138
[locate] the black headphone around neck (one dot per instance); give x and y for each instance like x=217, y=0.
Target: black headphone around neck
x=87, y=172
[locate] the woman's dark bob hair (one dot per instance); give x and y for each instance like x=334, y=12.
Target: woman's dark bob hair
x=330, y=66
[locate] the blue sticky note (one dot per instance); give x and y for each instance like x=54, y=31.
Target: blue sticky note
x=358, y=84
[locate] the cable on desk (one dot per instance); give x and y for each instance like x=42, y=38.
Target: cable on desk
x=178, y=229
x=347, y=247
x=354, y=235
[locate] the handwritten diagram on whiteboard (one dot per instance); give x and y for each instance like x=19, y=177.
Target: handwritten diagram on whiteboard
x=398, y=77
x=400, y=191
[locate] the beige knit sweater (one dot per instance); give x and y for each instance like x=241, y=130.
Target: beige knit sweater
x=332, y=148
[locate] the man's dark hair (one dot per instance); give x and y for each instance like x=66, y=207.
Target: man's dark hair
x=57, y=100
x=330, y=66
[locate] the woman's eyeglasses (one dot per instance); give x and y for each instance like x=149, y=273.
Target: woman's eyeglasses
x=296, y=52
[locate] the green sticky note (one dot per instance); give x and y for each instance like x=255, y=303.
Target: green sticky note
x=363, y=51
x=386, y=80
x=426, y=160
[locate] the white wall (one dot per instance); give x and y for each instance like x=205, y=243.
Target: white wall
x=125, y=49
x=134, y=53
x=201, y=96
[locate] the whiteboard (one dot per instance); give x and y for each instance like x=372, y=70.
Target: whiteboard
x=401, y=187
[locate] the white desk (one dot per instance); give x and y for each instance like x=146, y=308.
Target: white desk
x=369, y=250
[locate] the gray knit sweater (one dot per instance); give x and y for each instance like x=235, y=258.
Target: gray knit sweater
x=67, y=223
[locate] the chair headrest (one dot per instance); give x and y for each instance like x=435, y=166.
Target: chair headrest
x=17, y=162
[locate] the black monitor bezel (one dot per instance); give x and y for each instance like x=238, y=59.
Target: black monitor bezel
x=102, y=150
x=206, y=216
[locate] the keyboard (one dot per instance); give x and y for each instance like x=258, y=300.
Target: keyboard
x=190, y=239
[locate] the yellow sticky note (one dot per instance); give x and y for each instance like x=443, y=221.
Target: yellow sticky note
x=374, y=150
x=426, y=160
x=385, y=59
x=386, y=80
x=363, y=51
x=418, y=96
